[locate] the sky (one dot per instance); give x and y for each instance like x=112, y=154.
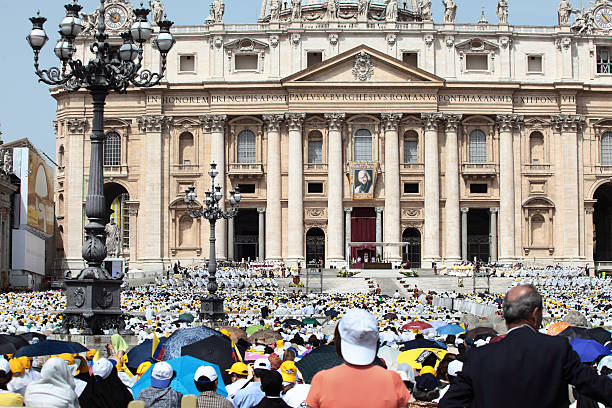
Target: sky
x=27, y=109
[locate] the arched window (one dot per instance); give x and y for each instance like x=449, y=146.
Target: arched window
x=606, y=149
x=112, y=149
x=246, y=147
x=477, y=147
x=536, y=148
x=315, y=147
x=60, y=156
x=363, y=145
x=538, y=231
x=186, y=148
x=411, y=147
x=186, y=236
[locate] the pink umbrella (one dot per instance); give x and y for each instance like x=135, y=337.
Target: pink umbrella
x=416, y=325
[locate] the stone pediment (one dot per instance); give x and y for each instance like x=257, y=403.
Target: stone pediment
x=364, y=67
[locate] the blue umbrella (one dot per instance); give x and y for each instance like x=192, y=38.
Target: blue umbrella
x=421, y=343
x=185, y=368
x=589, y=350
x=185, y=337
x=450, y=329
x=51, y=347
x=142, y=352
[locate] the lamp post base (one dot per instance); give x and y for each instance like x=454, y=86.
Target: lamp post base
x=211, y=308
x=93, y=305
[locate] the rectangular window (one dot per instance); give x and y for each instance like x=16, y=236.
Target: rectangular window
x=534, y=64
x=410, y=151
x=247, y=62
x=363, y=146
x=604, y=62
x=411, y=58
x=315, y=188
x=476, y=188
x=313, y=58
x=411, y=188
x=187, y=63
x=246, y=188
x=315, y=151
x=477, y=62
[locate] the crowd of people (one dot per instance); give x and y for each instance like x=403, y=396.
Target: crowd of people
x=405, y=344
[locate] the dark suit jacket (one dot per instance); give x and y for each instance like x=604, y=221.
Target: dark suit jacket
x=526, y=369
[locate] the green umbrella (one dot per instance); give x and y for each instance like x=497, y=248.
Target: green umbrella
x=310, y=320
x=252, y=329
x=186, y=317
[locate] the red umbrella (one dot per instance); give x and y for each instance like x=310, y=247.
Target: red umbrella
x=416, y=326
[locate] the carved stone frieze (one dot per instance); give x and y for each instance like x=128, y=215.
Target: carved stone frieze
x=316, y=213
x=509, y=122
x=273, y=122
x=363, y=68
x=295, y=121
x=335, y=120
x=76, y=125
x=411, y=212
x=391, y=120
x=213, y=123
x=568, y=123
x=153, y=123
x=431, y=121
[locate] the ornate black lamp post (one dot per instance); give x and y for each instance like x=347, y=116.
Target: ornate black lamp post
x=94, y=296
x=212, y=305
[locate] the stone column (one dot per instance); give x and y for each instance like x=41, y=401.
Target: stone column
x=392, y=186
x=493, y=244
x=133, y=213
x=261, y=239
x=74, y=187
x=451, y=178
x=431, y=251
x=153, y=208
x=335, y=195
x=230, y=239
x=295, y=190
x=273, y=189
x=379, y=228
x=588, y=220
x=347, y=233
x=506, y=124
x=217, y=155
x=569, y=126
x=464, y=234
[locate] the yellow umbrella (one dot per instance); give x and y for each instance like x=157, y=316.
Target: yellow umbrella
x=415, y=357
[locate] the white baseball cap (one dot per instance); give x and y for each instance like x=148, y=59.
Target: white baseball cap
x=162, y=374
x=359, y=337
x=5, y=366
x=454, y=367
x=262, y=364
x=102, y=368
x=205, y=371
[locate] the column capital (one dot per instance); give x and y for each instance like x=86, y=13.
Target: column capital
x=391, y=120
x=465, y=210
x=508, y=122
x=213, y=123
x=261, y=210
x=568, y=123
x=295, y=121
x=273, y=122
x=76, y=125
x=431, y=120
x=334, y=120
x=452, y=121
x=348, y=210
x=379, y=210
x=494, y=210
x=153, y=123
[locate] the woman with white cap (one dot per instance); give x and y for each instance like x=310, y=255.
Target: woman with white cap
x=107, y=391
x=54, y=388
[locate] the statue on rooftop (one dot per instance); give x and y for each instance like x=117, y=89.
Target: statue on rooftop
x=450, y=11
x=362, y=10
x=332, y=9
x=502, y=11
x=391, y=10
x=275, y=9
x=425, y=9
x=565, y=12
x=158, y=10
x=296, y=9
x=219, y=10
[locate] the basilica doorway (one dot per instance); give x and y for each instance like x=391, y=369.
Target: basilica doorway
x=315, y=246
x=117, y=211
x=602, y=220
x=412, y=252
x=246, y=234
x=478, y=234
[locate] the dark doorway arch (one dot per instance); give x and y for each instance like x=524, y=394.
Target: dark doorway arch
x=412, y=252
x=315, y=246
x=602, y=223
x=479, y=228
x=246, y=235
x=117, y=197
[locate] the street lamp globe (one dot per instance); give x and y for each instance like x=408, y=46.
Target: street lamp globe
x=37, y=37
x=237, y=195
x=141, y=29
x=63, y=49
x=128, y=51
x=71, y=25
x=164, y=40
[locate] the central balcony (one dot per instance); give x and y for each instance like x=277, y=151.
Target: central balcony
x=245, y=170
x=480, y=170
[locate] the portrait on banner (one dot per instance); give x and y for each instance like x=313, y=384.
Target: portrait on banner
x=363, y=180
